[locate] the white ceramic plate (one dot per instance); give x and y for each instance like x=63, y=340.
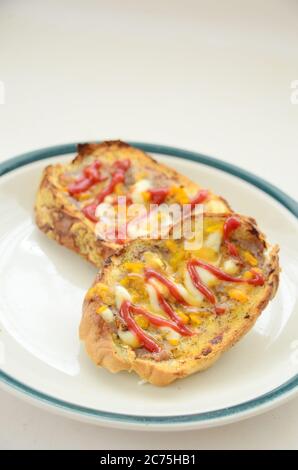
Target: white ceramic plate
x=41, y=291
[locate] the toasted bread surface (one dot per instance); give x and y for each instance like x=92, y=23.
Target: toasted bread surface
x=209, y=298
x=60, y=213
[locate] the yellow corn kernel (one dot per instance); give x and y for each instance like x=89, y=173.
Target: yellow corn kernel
x=161, y=217
x=125, y=281
x=142, y=321
x=214, y=227
x=238, y=295
x=179, y=194
x=91, y=293
x=101, y=309
x=119, y=189
x=171, y=245
x=206, y=253
x=258, y=270
x=98, y=289
x=177, y=259
x=83, y=196
x=195, y=320
x=250, y=258
x=152, y=260
x=133, y=266
x=184, y=318
x=247, y=275
x=173, y=341
x=146, y=196
x=135, y=298
x=135, y=285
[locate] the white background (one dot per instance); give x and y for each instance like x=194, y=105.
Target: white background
x=209, y=76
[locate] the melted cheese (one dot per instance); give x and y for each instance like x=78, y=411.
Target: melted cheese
x=216, y=205
x=230, y=266
x=194, y=297
x=206, y=277
x=153, y=298
x=159, y=286
x=129, y=338
x=107, y=315
x=169, y=333
x=121, y=294
x=139, y=188
x=109, y=199
x=214, y=241
x=153, y=260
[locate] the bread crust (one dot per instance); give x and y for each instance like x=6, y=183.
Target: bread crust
x=103, y=351
x=59, y=218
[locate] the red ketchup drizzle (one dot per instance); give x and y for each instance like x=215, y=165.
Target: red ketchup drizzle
x=90, y=177
x=173, y=315
x=256, y=280
x=127, y=310
x=122, y=165
x=156, y=320
x=166, y=282
x=232, y=249
x=230, y=225
x=220, y=310
x=200, y=197
x=89, y=211
x=118, y=175
x=126, y=313
x=191, y=267
x=158, y=195
x=120, y=237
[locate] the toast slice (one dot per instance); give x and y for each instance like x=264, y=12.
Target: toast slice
x=165, y=312
x=68, y=194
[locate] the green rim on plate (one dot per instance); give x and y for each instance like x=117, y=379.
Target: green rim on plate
x=209, y=416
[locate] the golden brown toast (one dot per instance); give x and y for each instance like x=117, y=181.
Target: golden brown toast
x=166, y=312
x=64, y=203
